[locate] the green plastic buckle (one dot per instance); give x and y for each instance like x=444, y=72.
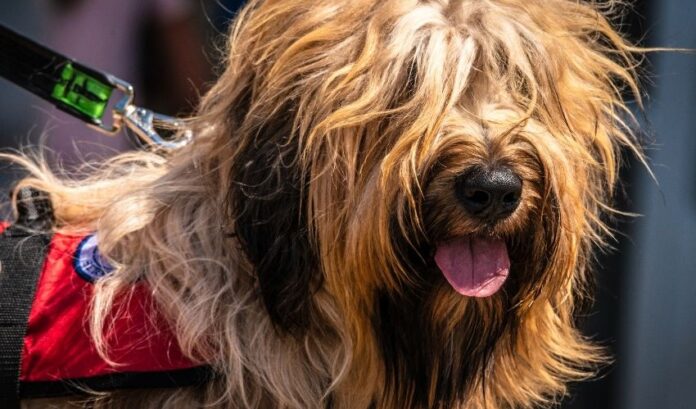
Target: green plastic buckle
x=82, y=92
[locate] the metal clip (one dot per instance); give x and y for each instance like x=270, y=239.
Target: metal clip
x=143, y=121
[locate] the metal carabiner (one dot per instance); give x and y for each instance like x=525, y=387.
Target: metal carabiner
x=143, y=122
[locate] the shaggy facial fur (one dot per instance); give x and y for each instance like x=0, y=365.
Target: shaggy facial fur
x=294, y=243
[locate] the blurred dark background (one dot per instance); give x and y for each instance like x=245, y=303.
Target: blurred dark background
x=645, y=308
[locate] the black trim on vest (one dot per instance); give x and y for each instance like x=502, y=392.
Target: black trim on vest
x=196, y=376
x=23, y=248
x=22, y=256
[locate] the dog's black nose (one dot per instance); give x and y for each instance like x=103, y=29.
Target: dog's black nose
x=490, y=194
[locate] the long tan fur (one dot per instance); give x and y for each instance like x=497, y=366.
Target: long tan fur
x=381, y=103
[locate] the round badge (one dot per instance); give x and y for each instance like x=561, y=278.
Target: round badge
x=88, y=263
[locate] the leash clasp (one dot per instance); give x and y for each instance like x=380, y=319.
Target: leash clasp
x=143, y=122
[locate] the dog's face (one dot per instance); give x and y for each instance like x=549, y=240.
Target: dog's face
x=430, y=175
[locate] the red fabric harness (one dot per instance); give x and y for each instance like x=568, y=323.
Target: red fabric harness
x=58, y=346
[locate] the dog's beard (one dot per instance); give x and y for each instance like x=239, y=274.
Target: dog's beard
x=440, y=332
x=437, y=343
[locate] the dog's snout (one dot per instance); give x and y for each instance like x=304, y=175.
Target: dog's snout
x=490, y=194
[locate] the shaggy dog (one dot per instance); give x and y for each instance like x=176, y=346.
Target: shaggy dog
x=387, y=204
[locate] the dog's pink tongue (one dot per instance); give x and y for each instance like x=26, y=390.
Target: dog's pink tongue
x=474, y=266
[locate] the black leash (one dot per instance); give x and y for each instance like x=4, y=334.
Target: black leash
x=99, y=99
x=73, y=88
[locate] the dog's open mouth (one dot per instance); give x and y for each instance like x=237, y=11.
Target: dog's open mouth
x=475, y=266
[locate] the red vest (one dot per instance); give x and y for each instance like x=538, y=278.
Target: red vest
x=58, y=352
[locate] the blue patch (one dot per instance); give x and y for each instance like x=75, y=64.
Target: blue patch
x=88, y=263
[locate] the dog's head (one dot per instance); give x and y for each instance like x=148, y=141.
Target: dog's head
x=435, y=170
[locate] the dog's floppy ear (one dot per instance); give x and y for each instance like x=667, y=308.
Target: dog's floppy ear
x=271, y=223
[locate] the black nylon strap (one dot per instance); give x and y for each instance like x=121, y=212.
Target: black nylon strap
x=22, y=252
x=28, y=64
x=21, y=256
x=38, y=69
x=178, y=378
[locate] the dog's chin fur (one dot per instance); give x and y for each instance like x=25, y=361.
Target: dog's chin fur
x=292, y=243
